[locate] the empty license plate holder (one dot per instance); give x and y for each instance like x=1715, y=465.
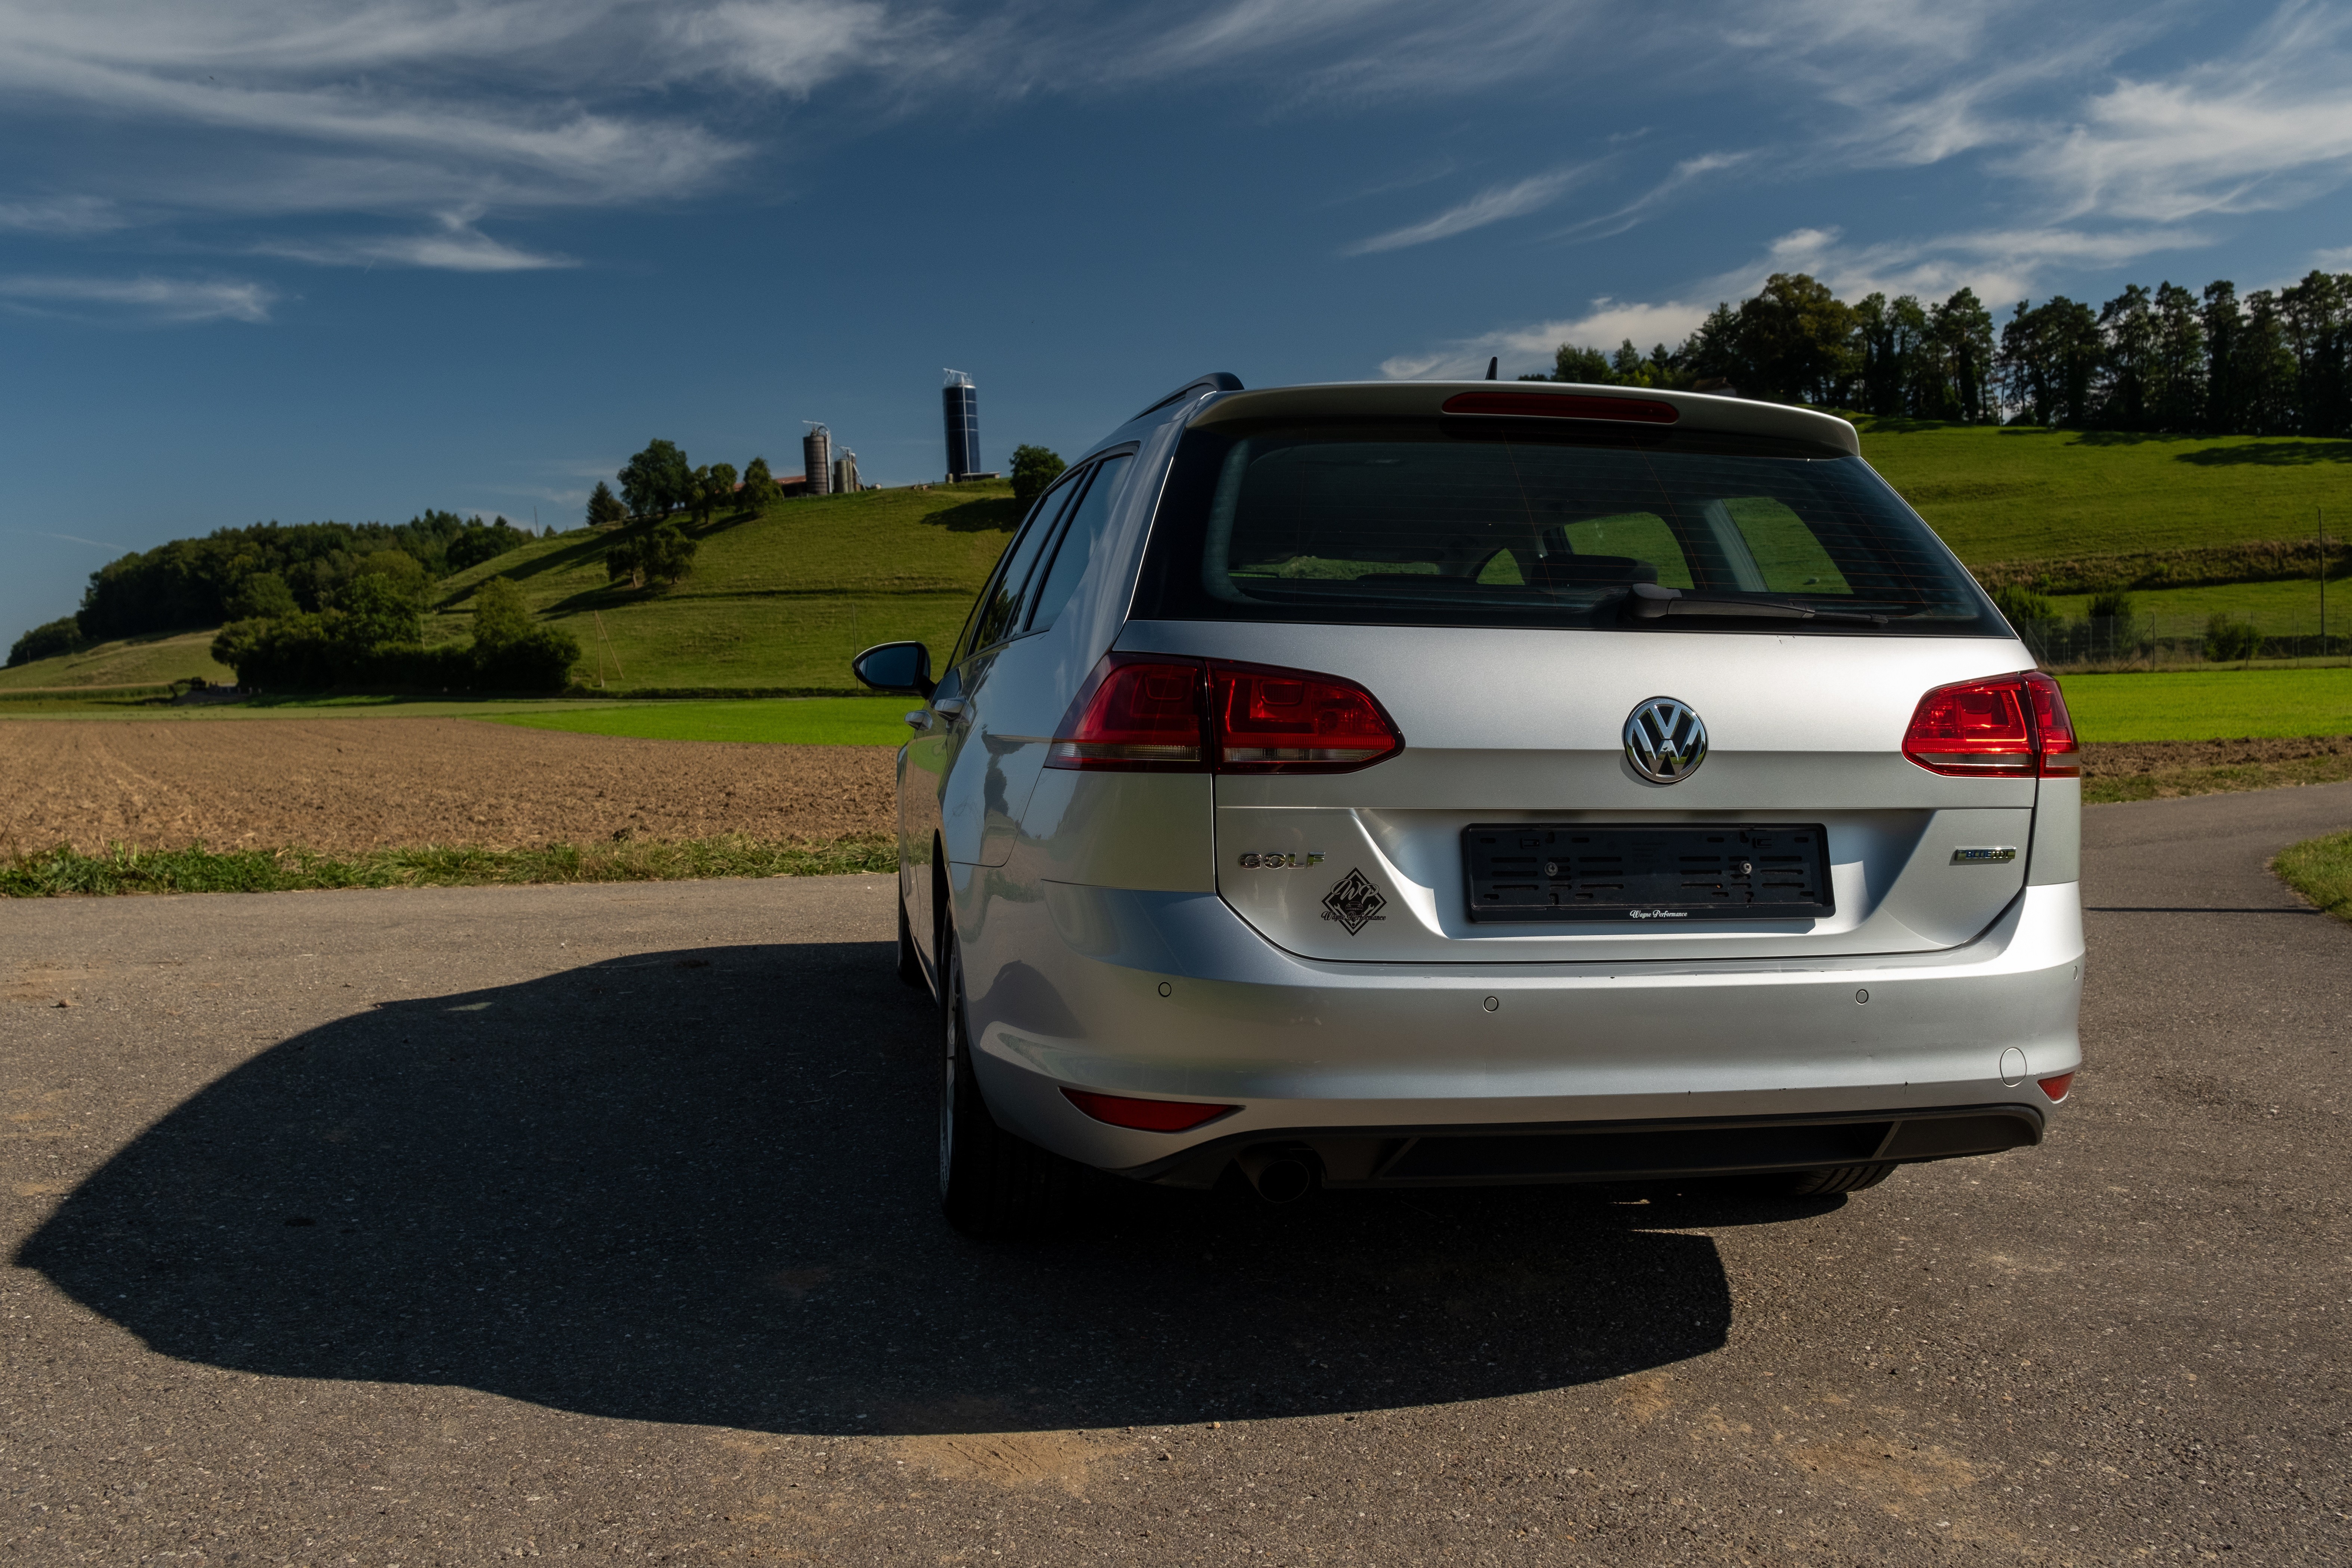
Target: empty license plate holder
x=1552, y=872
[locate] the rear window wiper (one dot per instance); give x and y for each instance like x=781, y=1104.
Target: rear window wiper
x=1649, y=601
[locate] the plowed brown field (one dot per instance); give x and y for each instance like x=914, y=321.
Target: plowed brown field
x=343, y=785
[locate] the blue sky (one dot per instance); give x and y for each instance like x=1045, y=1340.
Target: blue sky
x=261, y=260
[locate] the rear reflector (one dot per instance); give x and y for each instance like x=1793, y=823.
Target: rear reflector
x=1563, y=405
x=2015, y=726
x=2056, y=1088
x=1146, y=1115
x=1143, y=713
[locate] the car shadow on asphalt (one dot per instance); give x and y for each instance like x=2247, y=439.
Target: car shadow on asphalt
x=700, y=1187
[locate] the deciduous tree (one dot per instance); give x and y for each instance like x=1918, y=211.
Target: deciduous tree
x=658, y=481
x=1033, y=467
x=760, y=489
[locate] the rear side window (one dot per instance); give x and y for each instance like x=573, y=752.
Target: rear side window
x=1077, y=543
x=1000, y=604
x=1491, y=522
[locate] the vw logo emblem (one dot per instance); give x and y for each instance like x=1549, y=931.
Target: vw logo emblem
x=1664, y=740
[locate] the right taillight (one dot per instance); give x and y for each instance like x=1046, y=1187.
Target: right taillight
x=2012, y=726
x=1142, y=713
x=1288, y=721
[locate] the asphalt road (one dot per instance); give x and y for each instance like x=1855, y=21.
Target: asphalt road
x=438, y=1227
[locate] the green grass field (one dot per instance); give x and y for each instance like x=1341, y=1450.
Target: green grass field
x=797, y=721
x=2003, y=494
x=2278, y=607
x=2210, y=704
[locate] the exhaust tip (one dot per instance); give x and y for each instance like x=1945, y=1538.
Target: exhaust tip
x=1278, y=1175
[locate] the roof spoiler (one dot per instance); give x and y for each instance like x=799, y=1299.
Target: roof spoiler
x=1216, y=381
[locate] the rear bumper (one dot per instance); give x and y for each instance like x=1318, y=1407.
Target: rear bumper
x=1444, y=1156
x=1513, y=1072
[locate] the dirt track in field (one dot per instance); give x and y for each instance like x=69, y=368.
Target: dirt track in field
x=2112, y=759
x=342, y=785
x=351, y=784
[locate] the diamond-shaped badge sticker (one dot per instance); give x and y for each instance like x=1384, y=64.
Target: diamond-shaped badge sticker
x=1354, y=903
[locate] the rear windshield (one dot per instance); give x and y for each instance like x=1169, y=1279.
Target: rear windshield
x=1493, y=522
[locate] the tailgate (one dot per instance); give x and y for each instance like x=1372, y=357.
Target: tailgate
x=1515, y=751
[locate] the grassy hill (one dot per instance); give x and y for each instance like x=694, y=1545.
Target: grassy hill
x=779, y=600
x=2010, y=493
x=134, y=662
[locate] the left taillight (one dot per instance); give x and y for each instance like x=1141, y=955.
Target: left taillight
x=1134, y=715
x=2011, y=725
x=1139, y=713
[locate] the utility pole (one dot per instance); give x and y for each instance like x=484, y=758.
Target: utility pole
x=2323, y=580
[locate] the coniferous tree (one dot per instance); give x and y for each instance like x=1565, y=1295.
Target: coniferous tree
x=2176, y=363
x=604, y=507
x=2224, y=323
x=2127, y=331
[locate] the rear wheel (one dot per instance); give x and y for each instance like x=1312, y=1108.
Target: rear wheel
x=1836, y=1179
x=991, y=1183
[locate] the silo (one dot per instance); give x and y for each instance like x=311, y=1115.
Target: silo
x=845, y=474
x=961, y=405
x=816, y=457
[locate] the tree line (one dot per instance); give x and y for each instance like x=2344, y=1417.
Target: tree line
x=267, y=569
x=2277, y=361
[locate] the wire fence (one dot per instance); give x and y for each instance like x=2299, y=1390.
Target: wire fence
x=2160, y=641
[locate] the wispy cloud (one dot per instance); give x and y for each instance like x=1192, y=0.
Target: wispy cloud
x=61, y=215
x=73, y=539
x=1530, y=345
x=2267, y=126
x=1604, y=225
x=1487, y=208
x=144, y=299
x=457, y=246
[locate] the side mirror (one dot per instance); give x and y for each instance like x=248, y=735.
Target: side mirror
x=895, y=667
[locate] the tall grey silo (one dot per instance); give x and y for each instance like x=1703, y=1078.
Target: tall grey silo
x=961, y=406
x=816, y=457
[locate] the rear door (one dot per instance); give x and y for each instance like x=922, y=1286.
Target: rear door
x=1013, y=693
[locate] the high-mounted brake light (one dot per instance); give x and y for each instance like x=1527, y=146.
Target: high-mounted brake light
x=1563, y=405
x=1143, y=713
x=2012, y=726
x=1146, y=1115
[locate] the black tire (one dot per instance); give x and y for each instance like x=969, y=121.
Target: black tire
x=992, y=1184
x=1836, y=1179
x=910, y=963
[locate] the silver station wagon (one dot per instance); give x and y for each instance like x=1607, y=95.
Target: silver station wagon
x=1430, y=784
